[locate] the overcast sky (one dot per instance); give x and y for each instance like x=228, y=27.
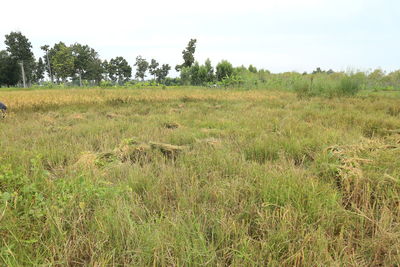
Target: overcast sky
x=278, y=35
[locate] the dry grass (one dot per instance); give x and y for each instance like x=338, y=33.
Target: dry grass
x=189, y=177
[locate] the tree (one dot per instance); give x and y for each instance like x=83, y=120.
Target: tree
x=153, y=67
x=224, y=70
x=210, y=71
x=119, y=70
x=45, y=48
x=188, y=55
x=87, y=62
x=318, y=70
x=194, y=74
x=185, y=76
x=39, y=71
x=252, y=69
x=63, y=62
x=20, y=49
x=141, y=67
x=162, y=72
x=9, y=70
x=95, y=70
x=105, y=66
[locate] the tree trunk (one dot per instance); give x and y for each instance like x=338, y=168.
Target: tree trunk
x=23, y=73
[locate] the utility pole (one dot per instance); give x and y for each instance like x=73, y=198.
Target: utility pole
x=23, y=73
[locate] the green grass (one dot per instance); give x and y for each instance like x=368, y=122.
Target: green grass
x=263, y=178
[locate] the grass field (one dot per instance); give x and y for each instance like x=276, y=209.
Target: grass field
x=194, y=177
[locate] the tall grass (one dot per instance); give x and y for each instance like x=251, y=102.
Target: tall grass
x=261, y=178
x=324, y=85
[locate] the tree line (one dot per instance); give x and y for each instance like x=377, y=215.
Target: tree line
x=64, y=63
x=81, y=64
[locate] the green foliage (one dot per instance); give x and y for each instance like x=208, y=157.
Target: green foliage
x=87, y=63
x=162, y=73
x=327, y=86
x=39, y=71
x=349, y=86
x=106, y=84
x=188, y=55
x=224, y=70
x=19, y=46
x=119, y=70
x=185, y=75
x=141, y=67
x=252, y=69
x=153, y=67
x=20, y=49
x=209, y=71
x=9, y=70
x=63, y=62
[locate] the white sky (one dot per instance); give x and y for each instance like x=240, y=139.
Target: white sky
x=279, y=35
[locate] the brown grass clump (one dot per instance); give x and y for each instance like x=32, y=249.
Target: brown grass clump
x=132, y=151
x=358, y=188
x=170, y=151
x=86, y=160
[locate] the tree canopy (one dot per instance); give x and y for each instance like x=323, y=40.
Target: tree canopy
x=9, y=69
x=188, y=55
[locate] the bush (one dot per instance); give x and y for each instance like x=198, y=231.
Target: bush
x=106, y=84
x=224, y=70
x=349, y=86
x=302, y=88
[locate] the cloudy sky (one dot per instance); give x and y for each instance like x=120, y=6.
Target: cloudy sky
x=279, y=35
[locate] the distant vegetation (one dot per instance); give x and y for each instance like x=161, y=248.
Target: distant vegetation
x=81, y=65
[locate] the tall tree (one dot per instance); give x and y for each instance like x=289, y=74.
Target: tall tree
x=9, y=69
x=162, y=73
x=45, y=48
x=224, y=70
x=39, y=71
x=195, y=78
x=63, y=62
x=95, y=70
x=20, y=49
x=252, y=69
x=87, y=62
x=141, y=67
x=119, y=70
x=50, y=62
x=210, y=70
x=105, y=67
x=153, y=67
x=188, y=55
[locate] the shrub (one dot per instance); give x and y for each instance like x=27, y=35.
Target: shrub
x=106, y=84
x=302, y=88
x=349, y=86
